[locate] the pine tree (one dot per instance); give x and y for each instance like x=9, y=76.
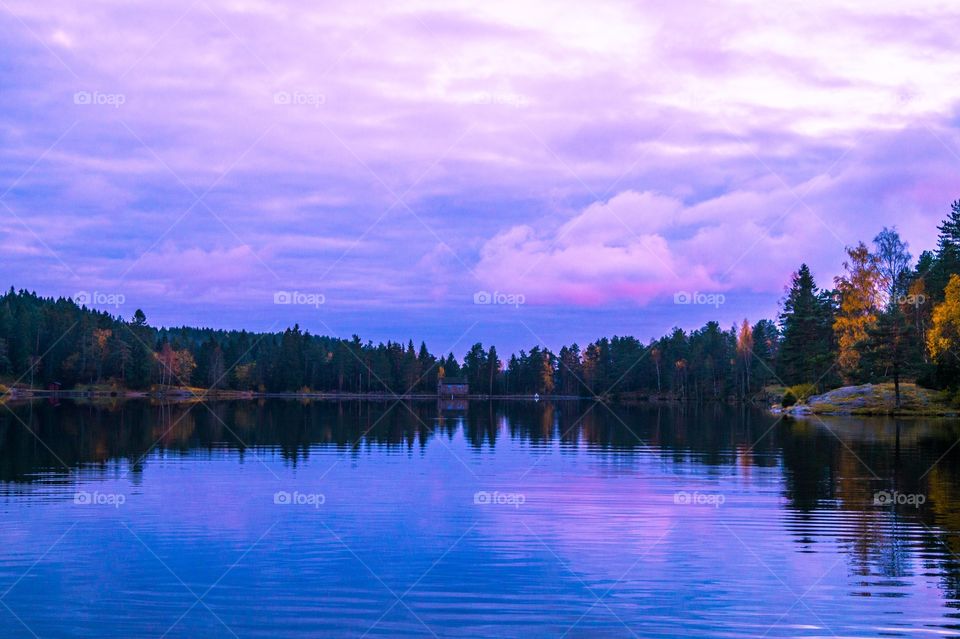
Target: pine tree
x=451, y=366
x=475, y=367
x=766, y=344
x=570, y=370
x=885, y=350
x=493, y=370
x=4, y=360
x=947, y=259
x=806, y=353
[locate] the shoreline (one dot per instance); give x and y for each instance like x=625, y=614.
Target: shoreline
x=202, y=394
x=804, y=411
x=848, y=401
x=186, y=395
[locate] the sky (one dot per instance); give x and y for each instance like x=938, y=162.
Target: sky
x=520, y=173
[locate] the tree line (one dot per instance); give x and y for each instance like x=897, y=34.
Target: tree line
x=47, y=341
x=886, y=318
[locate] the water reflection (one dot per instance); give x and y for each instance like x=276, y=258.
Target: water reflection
x=69, y=435
x=601, y=479
x=838, y=464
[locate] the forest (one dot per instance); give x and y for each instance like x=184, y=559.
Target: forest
x=885, y=318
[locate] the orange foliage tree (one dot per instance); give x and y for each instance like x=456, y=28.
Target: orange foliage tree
x=860, y=290
x=943, y=338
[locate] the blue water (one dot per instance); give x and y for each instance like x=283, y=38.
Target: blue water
x=285, y=519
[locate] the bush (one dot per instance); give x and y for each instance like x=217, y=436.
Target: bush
x=789, y=399
x=803, y=391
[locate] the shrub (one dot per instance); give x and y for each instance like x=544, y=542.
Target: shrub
x=789, y=399
x=803, y=391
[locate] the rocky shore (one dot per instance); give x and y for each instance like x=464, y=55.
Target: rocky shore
x=873, y=399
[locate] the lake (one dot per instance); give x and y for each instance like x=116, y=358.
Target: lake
x=490, y=519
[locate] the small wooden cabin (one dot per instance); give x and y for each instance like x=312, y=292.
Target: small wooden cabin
x=452, y=387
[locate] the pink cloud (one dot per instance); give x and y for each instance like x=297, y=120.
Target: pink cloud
x=609, y=252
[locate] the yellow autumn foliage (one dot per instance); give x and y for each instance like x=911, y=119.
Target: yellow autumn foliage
x=944, y=334
x=859, y=289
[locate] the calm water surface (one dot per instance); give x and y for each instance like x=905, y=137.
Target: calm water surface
x=287, y=519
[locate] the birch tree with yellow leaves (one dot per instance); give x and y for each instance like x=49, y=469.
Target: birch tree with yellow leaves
x=860, y=291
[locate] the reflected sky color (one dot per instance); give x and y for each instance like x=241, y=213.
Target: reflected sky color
x=796, y=548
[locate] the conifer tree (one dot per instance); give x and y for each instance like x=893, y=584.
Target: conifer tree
x=806, y=353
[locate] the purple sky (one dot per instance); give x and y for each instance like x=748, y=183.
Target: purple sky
x=591, y=160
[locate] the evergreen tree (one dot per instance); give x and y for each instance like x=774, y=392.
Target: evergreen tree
x=947, y=259
x=885, y=350
x=570, y=371
x=475, y=367
x=451, y=366
x=766, y=345
x=493, y=371
x=806, y=353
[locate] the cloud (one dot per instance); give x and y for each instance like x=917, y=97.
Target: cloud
x=611, y=251
x=584, y=153
x=638, y=247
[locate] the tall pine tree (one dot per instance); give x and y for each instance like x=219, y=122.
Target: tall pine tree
x=807, y=351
